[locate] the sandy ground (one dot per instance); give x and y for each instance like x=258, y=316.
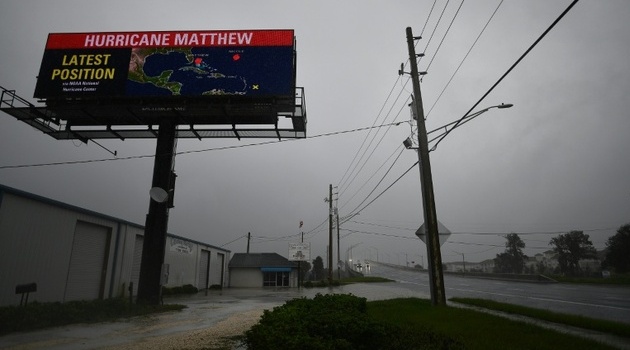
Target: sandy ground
x=215, y=336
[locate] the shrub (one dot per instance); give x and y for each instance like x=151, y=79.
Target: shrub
x=333, y=321
x=185, y=289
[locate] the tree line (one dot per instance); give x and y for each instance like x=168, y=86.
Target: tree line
x=569, y=248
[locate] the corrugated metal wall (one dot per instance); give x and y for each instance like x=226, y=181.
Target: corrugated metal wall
x=137, y=261
x=72, y=253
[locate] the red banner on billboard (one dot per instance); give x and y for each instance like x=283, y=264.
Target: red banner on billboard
x=223, y=38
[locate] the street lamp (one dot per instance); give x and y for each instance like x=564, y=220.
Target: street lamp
x=445, y=128
x=462, y=121
x=349, y=252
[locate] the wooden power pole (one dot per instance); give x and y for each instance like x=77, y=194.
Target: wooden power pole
x=436, y=276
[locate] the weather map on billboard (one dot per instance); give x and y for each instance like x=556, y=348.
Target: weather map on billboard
x=210, y=71
x=154, y=64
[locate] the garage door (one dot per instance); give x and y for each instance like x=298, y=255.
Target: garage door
x=204, y=264
x=217, y=270
x=88, y=262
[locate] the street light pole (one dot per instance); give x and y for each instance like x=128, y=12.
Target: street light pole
x=436, y=276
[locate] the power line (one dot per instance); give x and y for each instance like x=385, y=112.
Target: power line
x=428, y=17
x=381, y=234
x=232, y=241
x=366, y=137
x=464, y=59
x=508, y=71
x=385, y=226
x=525, y=233
x=373, y=150
x=436, y=26
x=356, y=210
x=370, y=178
x=445, y=34
x=343, y=184
x=73, y=162
x=383, y=178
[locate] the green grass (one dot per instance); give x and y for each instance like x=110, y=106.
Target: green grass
x=619, y=279
x=610, y=327
x=368, y=279
x=44, y=315
x=475, y=329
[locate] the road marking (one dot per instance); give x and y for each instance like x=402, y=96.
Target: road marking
x=414, y=283
x=543, y=299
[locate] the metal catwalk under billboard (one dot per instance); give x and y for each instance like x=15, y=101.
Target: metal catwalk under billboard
x=249, y=63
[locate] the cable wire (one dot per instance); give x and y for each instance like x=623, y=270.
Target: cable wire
x=436, y=26
x=73, y=162
x=464, y=59
x=356, y=210
x=508, y=71
x=373, y=150
x=444, y=37
x=383, y=178
x=370, y=178
x=428, y=17
x=366, y=137
x=344, y=185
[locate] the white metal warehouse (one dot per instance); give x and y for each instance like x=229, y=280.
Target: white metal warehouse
x=73, y=253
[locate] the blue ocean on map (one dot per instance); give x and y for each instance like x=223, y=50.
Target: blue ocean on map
x=258, y=71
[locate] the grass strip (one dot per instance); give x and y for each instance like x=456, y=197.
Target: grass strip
x=44, y=315
x=605, y=326
x=475, y=329
x=620, y=279
x=364, y=279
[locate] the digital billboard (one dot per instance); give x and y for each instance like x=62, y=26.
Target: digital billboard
x=250, y=63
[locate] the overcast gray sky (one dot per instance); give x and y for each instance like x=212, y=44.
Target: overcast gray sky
x=557, y=161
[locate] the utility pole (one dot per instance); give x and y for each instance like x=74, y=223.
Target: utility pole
x=436, y=277
x=338, y=246
x=249, y=236
x=330, y=235
x=300, y=263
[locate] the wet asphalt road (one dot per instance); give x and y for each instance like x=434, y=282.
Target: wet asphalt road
x=207, y=309
x=606, y=302
x=203, y=310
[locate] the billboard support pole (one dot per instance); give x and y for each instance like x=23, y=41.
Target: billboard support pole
x=154, y=245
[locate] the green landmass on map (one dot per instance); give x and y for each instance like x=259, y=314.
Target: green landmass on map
x=136, y=68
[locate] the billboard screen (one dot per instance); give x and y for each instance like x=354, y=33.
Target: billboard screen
x=257, y=63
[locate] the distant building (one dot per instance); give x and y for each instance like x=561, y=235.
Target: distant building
x=72, y=253
x=262, y=270
x=486, y=265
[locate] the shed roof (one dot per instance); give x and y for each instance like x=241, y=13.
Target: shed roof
x=260, y=260
x=35, y=197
